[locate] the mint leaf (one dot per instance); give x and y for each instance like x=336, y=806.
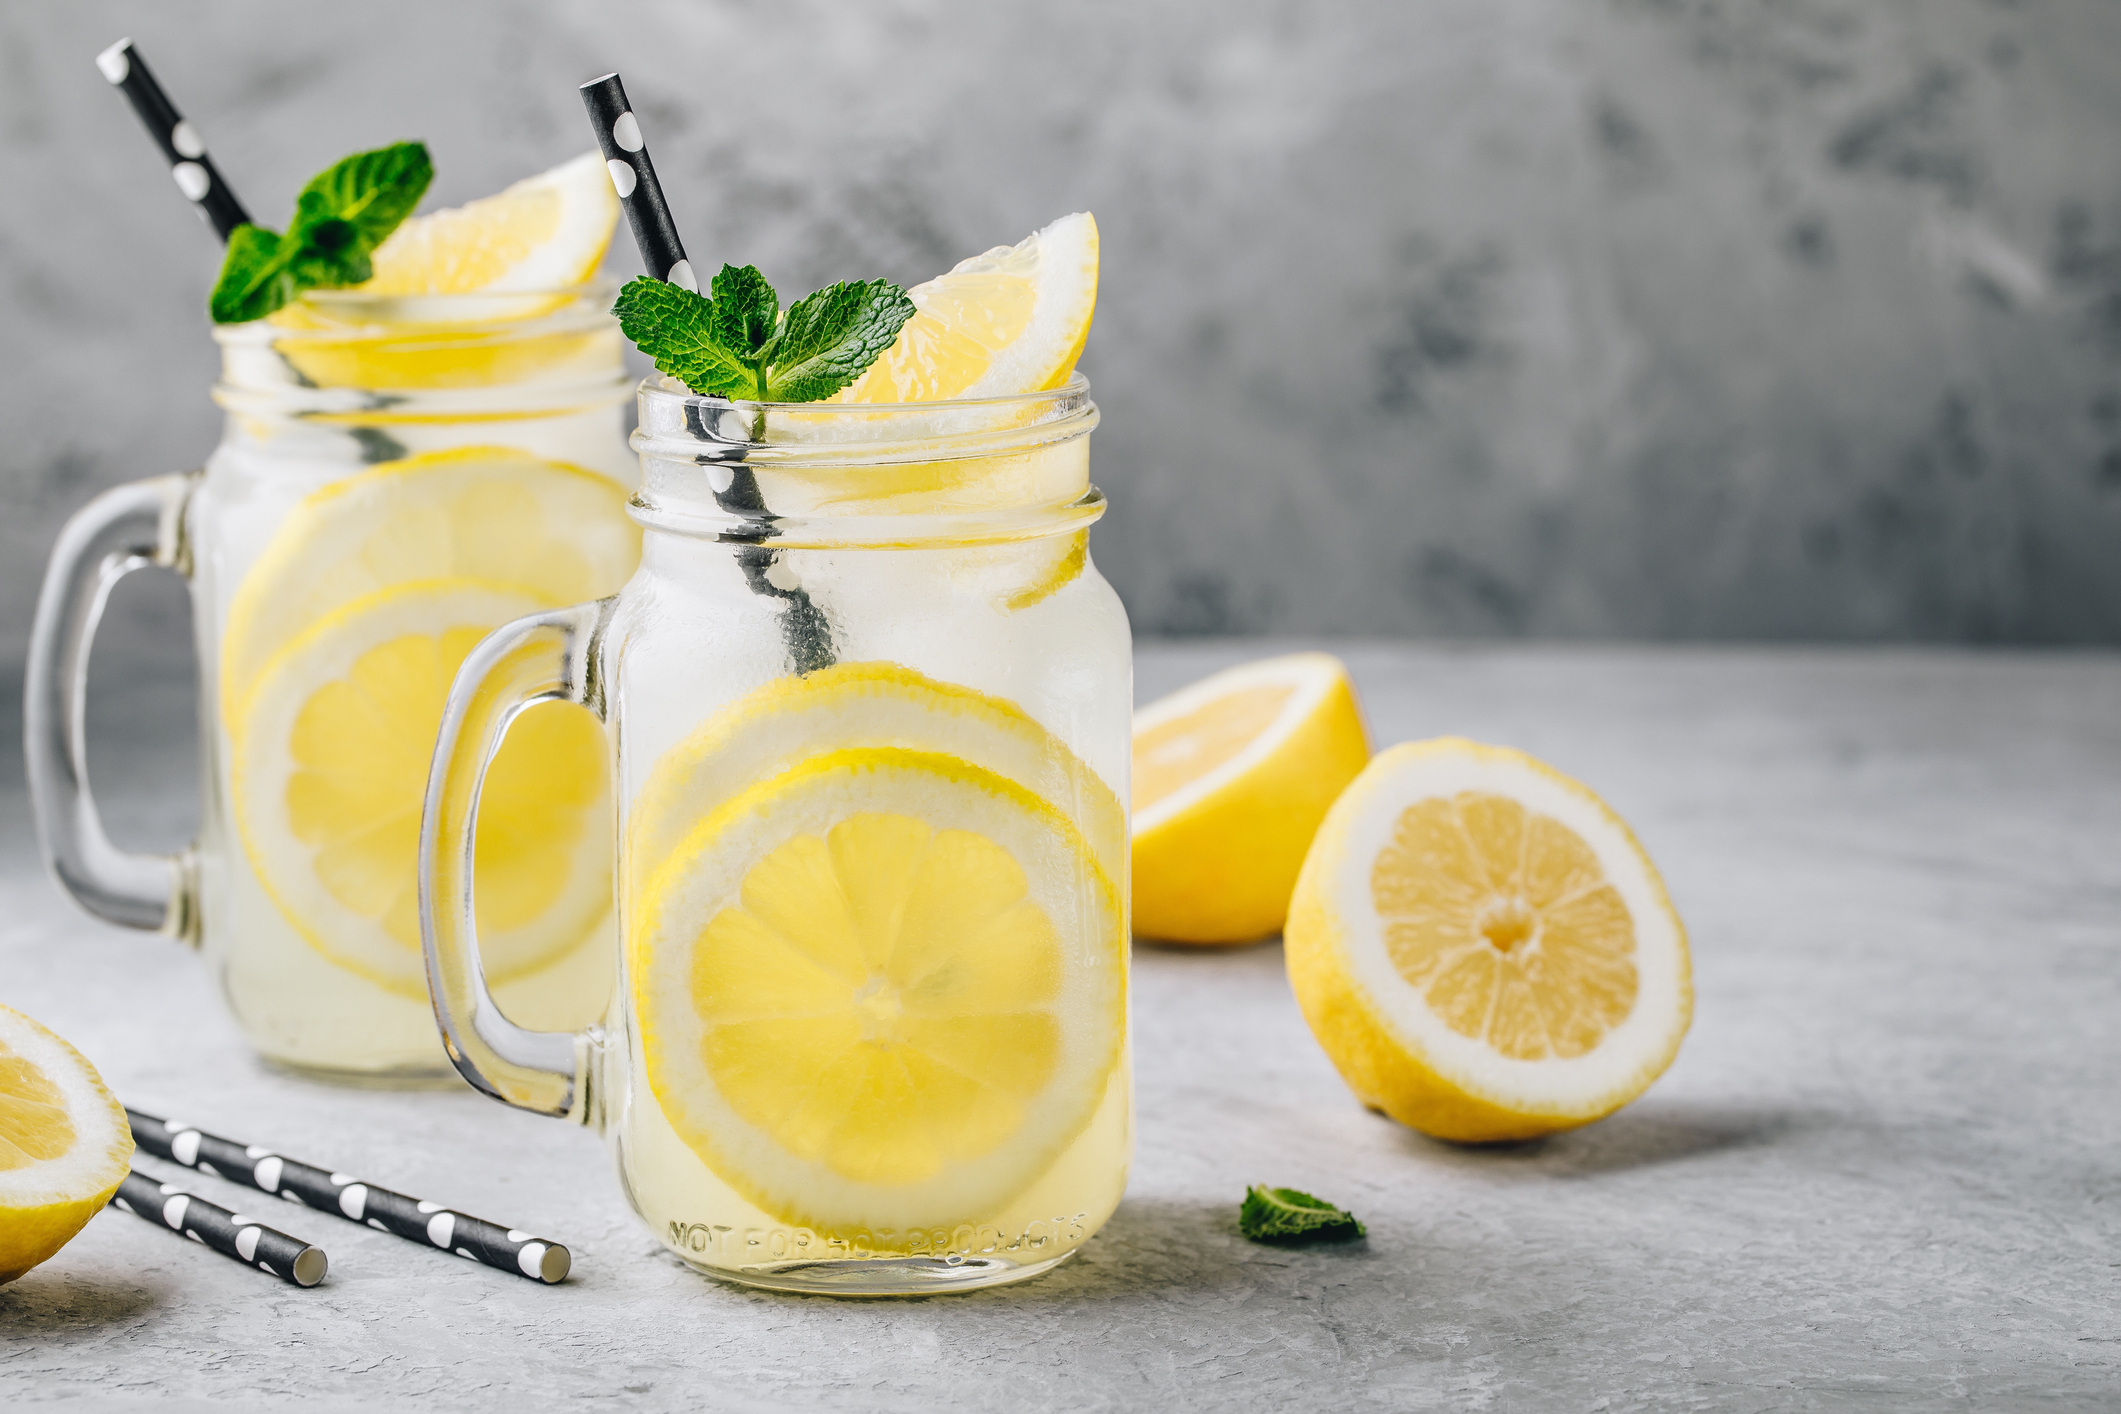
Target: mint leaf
x=1287, y=1215
x=735, y=342
x=369, y=191
x=828, y=339
x=677, y=328
x=254, y=279
x=341, y=216
x=746, y=310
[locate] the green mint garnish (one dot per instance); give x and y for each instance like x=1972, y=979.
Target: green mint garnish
x=1285, y=1215
x=340, y=218
x=736, y=342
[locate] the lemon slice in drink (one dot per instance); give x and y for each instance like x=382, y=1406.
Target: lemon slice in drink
x=1012, y=320
x=64, y=1143
x=331, y=770
x=881, y=991
x=863, y=705
x=1231, y=778
x=485, y=513
x=1483, y=949
x=544, y=233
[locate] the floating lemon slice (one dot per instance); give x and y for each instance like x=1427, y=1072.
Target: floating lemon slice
x=64, y=1143
x=862, y=705
x=1231, y=778
x=330, y=774
x=882, y=991
x=544, y=233
x=1012, y=320
x=486, y=513
x=1482, y=947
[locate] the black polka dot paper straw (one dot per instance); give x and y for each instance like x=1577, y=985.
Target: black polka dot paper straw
x=429, y=1224
x=196, y=175
x=633, y=178
x=246, y=1239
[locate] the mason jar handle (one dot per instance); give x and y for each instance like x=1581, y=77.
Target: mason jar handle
x=124, y=529
x=539, y=658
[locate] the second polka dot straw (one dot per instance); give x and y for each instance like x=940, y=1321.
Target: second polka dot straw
x=194, y=171
x=633, y=178
x=429, y=1224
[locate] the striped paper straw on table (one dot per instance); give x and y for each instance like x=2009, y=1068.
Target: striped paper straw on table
x=194, y=171
x=429, y=1224
x=231, y=1234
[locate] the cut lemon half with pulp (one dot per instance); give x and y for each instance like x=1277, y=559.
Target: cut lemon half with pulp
x=1231, y=778
x=881, y=991
x=860, y=706
x=64, y=1143
x=1483, y=948
x=492, y=514
x=330, y=774
x=1011, y=320
x=544, y=233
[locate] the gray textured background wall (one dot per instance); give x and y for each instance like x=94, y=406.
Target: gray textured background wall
x=1761, y=318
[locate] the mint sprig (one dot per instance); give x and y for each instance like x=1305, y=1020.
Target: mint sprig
x=1287, y=1215
x=737, y=342
x=340, y=218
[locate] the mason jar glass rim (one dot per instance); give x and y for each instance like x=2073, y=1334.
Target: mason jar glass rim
x=357, y=314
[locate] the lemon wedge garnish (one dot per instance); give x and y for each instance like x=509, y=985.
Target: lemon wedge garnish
x=64, y=1143
x=492, y=514
x=880, y=992
x=1231, y=778
x=546, y=232
x=1482, y=947
x=330, y=773
x=1012, y=320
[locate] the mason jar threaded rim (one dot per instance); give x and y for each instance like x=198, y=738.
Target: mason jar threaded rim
x=346, y=355
x=961, y=471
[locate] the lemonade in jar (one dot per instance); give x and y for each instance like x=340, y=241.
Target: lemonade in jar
x=408, y=462
x=870, y=704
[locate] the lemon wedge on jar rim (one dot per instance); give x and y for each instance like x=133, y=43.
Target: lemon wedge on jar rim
x=64, y=1143
x=1483, y=948
x=1010, y=320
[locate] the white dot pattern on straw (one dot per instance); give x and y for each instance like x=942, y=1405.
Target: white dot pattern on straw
x=353, y=1200
x=185, y=1147
x=681, y=275
x=442, y=1229
x=247, y=1243
x=115, y=63
x=622, y=178
x=185, y=138
x=532, y=1260
x=192, y=179
x=626, y=132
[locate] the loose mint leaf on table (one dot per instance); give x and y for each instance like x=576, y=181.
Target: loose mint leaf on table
x=735, y=341
x=1287, y=1215
x=340, y=218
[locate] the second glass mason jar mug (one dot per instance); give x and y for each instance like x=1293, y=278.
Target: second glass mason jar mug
x=869, y=706
x=399, y=475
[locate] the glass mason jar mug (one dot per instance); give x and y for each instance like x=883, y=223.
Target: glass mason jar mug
x=869, y=704
x=398, y=476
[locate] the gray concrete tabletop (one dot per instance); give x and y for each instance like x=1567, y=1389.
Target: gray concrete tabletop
x=1882, y=1174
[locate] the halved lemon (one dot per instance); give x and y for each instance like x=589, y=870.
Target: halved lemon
x=544, y=233
x=860, y=706
x=1231, y=778
x=882, y=991
x=330, y=774
x=64, y=1143
x=1011, y=320
x=1483, y=948
x=493, y=514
